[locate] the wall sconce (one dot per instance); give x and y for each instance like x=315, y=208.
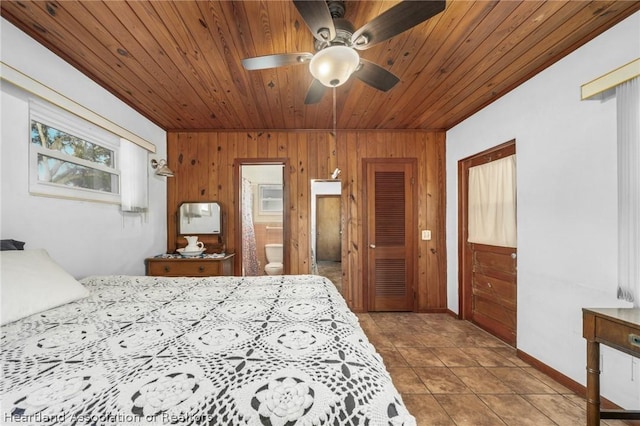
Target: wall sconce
x=161, y=168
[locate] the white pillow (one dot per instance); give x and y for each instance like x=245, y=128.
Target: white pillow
x=32, y=282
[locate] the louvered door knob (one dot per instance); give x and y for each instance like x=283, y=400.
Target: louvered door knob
x=372, y=245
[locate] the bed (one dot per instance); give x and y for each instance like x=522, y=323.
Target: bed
x=273, y=350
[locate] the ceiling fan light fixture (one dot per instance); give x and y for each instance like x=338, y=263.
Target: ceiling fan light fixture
x=334, y=65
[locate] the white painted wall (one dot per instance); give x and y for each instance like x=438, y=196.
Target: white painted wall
x=85, y=238
x=567, y=205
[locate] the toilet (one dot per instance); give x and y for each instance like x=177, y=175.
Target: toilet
x=274, y=259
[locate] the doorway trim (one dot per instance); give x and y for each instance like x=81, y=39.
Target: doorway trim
x=465, y=259
x=286, y=233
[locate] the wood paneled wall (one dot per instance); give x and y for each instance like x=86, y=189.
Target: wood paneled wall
x=203, y=163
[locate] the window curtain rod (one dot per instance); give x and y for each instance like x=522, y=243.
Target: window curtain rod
x=594, y=88
x=27, y=83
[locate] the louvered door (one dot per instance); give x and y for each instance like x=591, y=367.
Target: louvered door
x=390, y=230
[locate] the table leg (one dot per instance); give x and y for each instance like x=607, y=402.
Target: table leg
x=593, y=383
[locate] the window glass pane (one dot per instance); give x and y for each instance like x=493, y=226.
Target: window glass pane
x=74, y=175
x=58, y=140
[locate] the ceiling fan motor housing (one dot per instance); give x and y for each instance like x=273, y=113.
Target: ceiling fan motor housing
x=344, y=29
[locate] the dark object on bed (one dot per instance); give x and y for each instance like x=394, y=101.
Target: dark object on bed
x=11, y=245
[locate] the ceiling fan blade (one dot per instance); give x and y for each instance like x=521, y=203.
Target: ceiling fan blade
x=273, y=61
x=375, y=76
x=317, y=17
x=315, y=93
x=396, y=20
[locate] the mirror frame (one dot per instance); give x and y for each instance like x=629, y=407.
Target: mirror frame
x=211, y=203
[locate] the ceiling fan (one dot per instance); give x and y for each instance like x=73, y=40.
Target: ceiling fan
x=337, y=42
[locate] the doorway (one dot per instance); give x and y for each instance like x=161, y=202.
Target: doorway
x=326, y=230
x=487, y=272
x=261, y=218
x=390, y=227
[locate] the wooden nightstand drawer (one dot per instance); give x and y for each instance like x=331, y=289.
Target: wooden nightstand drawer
x=180, y=267
x=617, y=335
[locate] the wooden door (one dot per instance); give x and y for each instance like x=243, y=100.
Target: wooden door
x=487, y=274
x=328, y=246
x=390, y=234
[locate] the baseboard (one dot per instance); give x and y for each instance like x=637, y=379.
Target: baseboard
x=565, y=381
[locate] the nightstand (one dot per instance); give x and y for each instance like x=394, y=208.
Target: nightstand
x=171, y=265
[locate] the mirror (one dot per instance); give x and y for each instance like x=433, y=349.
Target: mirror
x=326, y=229
x=200, y=218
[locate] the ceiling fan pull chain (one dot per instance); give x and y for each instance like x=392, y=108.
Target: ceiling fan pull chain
x=335, y=130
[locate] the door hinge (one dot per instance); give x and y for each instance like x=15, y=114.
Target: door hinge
x=413, y=180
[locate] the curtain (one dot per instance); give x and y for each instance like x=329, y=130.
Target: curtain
x=628, y=126
x=250, y=263
x=492, y=203
x=134, y=177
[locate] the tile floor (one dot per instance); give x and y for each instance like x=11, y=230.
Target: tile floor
x=451, y=372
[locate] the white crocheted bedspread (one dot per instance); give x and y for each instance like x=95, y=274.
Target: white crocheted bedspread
x=274, y=350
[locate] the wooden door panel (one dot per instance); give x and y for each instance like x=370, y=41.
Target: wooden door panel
x=390, y=240
x=328, y=240
x=497, y=328
x=493, y=258
x=493, y=282
x=495, y=310
x=495, y=288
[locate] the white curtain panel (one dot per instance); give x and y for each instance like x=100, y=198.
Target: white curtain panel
x=134, y=177
x=492, y=203
x=628, y=117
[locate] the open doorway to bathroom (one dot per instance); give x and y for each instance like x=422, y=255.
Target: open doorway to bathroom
x=262, y=220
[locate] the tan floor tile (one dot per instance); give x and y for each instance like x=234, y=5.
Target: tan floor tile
x=548, y=381
x=468, y=410
x=515, y=410
x=479, y=380
x=454, y=357
x=520, y=381
x=426, y=410
x=510, y=354
x=488, y=357
x=619, y=423
x=441, y=380
x=407, y=340
x=450, y=372
x=559, y=409
x=406, y=380
x=582, y=402
x=479, y=339
x=420, y=357
x=379, y=340
x=430, y=339
x=392, y=357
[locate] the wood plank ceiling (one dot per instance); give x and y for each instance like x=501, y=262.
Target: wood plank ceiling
x=178, y=62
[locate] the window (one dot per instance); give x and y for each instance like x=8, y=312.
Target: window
x=70, y=157
x=270, y=199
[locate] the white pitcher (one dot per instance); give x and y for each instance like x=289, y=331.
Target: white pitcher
x=193, y=244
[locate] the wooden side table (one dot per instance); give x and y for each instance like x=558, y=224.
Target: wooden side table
x=177, y=266
x=618, y=328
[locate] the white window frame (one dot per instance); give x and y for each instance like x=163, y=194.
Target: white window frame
x=62, y=120
x=263, y=202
